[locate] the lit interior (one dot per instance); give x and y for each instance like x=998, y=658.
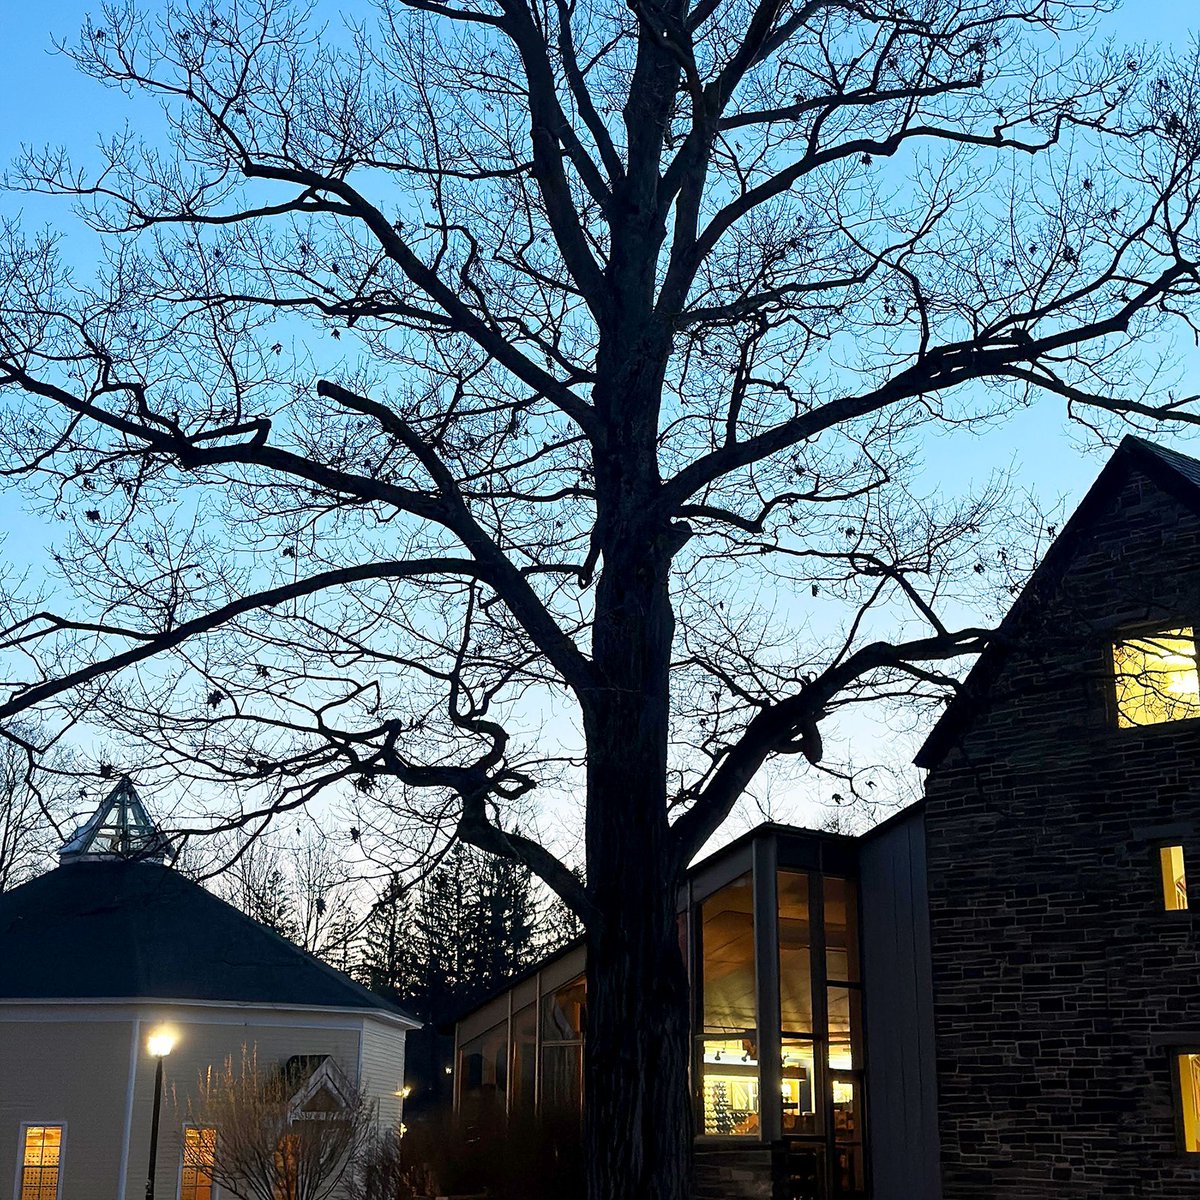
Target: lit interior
x=798, y=1073
x=1174, y=879
x=40, y=1162
x=199, y=1155
x=730, y=1087
x=1189, y=1095
x=1156, y=678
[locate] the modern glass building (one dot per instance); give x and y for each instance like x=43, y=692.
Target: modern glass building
x=772, y=929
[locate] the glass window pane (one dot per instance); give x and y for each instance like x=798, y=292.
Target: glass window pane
x=729, y=1091
x=524, y=1058
x=562, y=1079
x=483, y=1068
x=841, y=930
x=795, y=963
x=41, y=1155
x=1174, y=878
x=847, y=1126
x=564, y=1014
x=1156, y=678
x=850, y=1171
x=199, y=1154
x=1189, y=1098
x=798, y=1077
x=845, y=1028
x=727, y=946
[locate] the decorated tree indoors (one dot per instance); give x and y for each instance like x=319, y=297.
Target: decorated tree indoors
x=722, y=1114
x=497, y=373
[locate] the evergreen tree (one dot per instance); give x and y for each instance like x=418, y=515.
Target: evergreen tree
x=445, y=942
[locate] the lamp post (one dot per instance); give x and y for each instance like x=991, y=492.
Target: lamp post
x=159, y=1044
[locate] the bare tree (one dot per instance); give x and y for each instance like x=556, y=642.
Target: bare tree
x=265, y=1137
x=31, y=813
x=299, y=885
x=529, y=355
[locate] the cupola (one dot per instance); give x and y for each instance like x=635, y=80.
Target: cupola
x=120, y=828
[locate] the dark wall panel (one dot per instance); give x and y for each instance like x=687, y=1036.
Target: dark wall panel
x=901, y=1069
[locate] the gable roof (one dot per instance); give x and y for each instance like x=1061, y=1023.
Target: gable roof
x=128, y=929
x=1176, y=474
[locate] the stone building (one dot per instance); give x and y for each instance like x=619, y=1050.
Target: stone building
x=994, y=994
x=113, y=964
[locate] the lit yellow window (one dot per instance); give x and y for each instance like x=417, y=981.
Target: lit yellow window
x=730, y=1087
x=199, y=1154
x=1156, y=678
x=40, y=1162
x=1189, y=1099
x=1174, y=879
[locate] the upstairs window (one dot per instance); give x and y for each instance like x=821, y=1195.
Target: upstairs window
x=41, y=1159
x=1174, y=879
x=1156, y=678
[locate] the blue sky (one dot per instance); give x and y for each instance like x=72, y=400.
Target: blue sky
x=43, y=99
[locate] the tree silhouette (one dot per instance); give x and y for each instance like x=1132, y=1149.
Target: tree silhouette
x=520, y=356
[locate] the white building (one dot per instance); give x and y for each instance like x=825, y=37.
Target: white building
x=113, y=949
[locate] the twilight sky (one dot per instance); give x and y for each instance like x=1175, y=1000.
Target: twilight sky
x=44, y=100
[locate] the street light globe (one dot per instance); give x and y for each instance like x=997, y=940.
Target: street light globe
x=160, y=1043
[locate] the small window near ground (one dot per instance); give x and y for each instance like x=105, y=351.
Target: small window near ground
x=199, y=1155
x=1156, y=678
x=41, y=1160
x=730, y=1087
x=1189, y=1100
x=1174, y=879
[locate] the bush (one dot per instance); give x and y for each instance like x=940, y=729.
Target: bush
x=447, y=1155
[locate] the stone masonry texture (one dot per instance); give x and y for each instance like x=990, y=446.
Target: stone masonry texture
x=1062, y=990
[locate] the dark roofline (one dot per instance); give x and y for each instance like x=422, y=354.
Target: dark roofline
x=1175, y=473
x=372, y=1000
x=767, y=829
x=66, y=889
x=447, y=1023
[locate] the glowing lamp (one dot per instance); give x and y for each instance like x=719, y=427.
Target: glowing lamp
x=160, y=1043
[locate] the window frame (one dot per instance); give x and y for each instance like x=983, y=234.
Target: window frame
x=215, y=1190
x=1156, y=849
x=1174, y=1054
x=740, y=871
x=62, y=1153
x=1142, y=630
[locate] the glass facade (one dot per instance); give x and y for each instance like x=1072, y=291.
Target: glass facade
x=529, y=1058
x=777, y=1021
x=820, y=1027
x=483, y=1071
x=728, y=1057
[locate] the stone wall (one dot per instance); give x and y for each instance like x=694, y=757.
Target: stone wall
x=1061, y=987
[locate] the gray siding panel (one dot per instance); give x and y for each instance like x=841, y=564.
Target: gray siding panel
x=901, y=1069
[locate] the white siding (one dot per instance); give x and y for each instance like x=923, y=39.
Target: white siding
x=383, y=1070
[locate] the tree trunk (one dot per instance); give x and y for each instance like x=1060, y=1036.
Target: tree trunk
x=637, y=1111
x=637, y=1107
